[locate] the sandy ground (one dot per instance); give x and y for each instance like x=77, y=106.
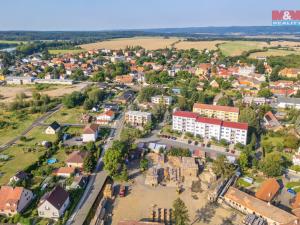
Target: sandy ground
x=140, y=200
x=9, y=92
x=149, y=43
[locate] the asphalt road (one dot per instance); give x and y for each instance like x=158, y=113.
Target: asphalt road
x=36, y=123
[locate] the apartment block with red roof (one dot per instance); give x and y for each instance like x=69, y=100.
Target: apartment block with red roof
x=191, y=122
x=226, y=113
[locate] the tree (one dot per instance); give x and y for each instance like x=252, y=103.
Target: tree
x=273, y=164
x=180, y=213
x=244, y=161
x=222, y=167
x=248, y=115
x=143, y=164
x=124, y=173
x=74, y=99
x=99, y=76
x=225, y=101
x=260, y=68
x=265, y=92
x=291, y=141
x=89, y=162
x=112, y=160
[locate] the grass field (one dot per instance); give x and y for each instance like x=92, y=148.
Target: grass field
x=149, y=43
x=11, y=42
x=66, y=116
x=18, y=124
x=199, y=45
x=65, y=51
x=20, y=159
x=274, y=52
x=234, y=48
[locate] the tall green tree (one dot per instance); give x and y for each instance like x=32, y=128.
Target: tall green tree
x=180, y=213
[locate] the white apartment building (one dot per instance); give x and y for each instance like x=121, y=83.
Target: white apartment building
x=233, y=132
x=166, y=100
x=137, y=117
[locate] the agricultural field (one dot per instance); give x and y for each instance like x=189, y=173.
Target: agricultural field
x=235, y=48
x=199, y=45
x=65, y=51
x=274, y=52
x=149, y=43
x=8, y=93
x=20, y=155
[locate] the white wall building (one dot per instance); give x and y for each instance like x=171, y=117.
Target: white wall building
x=233, y=132
x=166, y=100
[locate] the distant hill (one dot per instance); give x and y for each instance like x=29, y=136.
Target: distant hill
x=265, y=32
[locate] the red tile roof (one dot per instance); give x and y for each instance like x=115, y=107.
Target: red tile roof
x=10, y=197
x=186, y=114
x=268, y=190
x=216, y=107
x=90, y=129
x=209, y=120
x=236, y=125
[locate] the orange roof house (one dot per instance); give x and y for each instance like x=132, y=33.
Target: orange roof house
x=14, y=200
x=268, y=190
x=124, y=79
x=290, y=72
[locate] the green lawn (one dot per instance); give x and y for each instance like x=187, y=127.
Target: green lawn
x=19, y=124
x=234, y=48
x=65, y=51
x=292, y=184
x=67, y=115
x=11, y=42
x=274, y=52
x=21, y=159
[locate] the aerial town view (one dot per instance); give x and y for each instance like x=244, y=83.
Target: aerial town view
x=161, y=112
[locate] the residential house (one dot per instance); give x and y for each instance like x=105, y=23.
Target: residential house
x=296, y=158
x=78, y=182
x=249, y=204
x=111, y=106
x=124, y=79
x=54, y=203
x=227, y=113
x=126, y=97
x=161, y=99
x=14, y=200
x=246, y=70
x=18, y=177
x=271, y=122
x=214, y=84
x=76, y=159
x=53, y=128
x=19, y=80
x=203, y=69
x=290, y=72
x=64, y=172
x=90, y=133
x=268, y=190
x=105, y=117
x=233, y=132
x=137, y=117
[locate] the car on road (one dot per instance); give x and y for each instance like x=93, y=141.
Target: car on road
x=122, y=191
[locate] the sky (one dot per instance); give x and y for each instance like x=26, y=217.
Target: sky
x=83, y=15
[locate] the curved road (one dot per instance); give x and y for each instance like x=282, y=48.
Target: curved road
x=36, y=123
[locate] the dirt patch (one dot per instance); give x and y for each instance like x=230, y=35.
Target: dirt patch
x=141, y=199
x=8, y=93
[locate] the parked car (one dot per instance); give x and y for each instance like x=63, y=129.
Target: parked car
x=122, y=191
x=291, y=191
